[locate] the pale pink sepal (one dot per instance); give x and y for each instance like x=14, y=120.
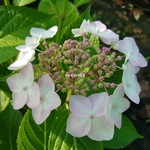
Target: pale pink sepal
x=30, y=44
x=109, y=37
x=19, y=99
x=33, y=96
x=14, y=83
x=46, y=85
x=26, y=74
x=101, y=129
x=130, y=84
x=78, y=127
x=23, y=59
x=82, y=30
x=98, y=103
x=37, y=32
x=80, y=106
x=96, y=27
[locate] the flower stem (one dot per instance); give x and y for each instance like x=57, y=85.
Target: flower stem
x=67, y=98
x=45, y=135
x=61, y=20
x=119, y=67
x=6, y=3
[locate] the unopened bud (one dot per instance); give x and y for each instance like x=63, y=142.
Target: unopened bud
x=112, y=85
x=94, y=87
x=100, y=85
x=119, y=58
x=59, y=86
x=101, y=78
x=63, y=90
x=92, y=82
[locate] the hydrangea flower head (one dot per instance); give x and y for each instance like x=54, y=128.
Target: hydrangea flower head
x=49, y=99
x=87, y=117
x=25, y=91
x=116, y=105
x=37, y=32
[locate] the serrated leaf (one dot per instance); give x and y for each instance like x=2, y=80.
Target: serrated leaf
x=9, y=125
x=22, y=2
x=59, y=139
x=32, y=136
x=123, y=136
x=78, y=3
x=15, y=23
x=4, y=101
x=67, y=34
x=64, y=13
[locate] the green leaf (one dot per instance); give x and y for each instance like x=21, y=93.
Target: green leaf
x=64, y=13
x=32, y=136
x=4, y=71
x=67, y=34
x=9, y=125
x=4, y=87
x=148, y=58
x=4, y=101
x=78, y=3
x=15, y=24
x=59, y=139
x=22, y=2
x=123, y=136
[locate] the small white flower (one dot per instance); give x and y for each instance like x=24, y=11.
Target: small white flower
x=88, y=117
x=30, y=44
x=116, y=105
x=25, y=91
x=23, y=59
x=130, y=49
x=99, y=29
x=49, y=99
x=82, y=30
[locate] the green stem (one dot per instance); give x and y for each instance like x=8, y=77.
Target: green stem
x=6, y=3
x=68, y=97
x=102, y=146
x=45, y=135
x=61, y=20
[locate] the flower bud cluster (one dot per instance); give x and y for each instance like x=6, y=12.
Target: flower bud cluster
x=77, y=65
